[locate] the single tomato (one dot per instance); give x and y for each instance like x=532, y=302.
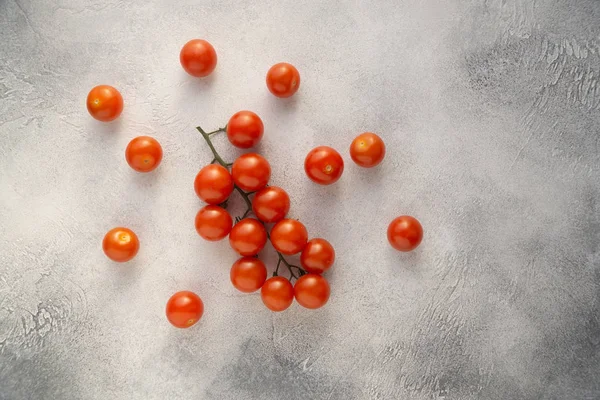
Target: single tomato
x=312, y=291
x=120, y=244
x=104, y=103
x=289, y=236
x=318, y=256
x=143, y=153
x=184, y=309
x=245, y=129
x=198, y=58
x=213, y=184
x=271, y=204
x=251, y=172
x=367, y=150
x=248, y=274
x=213, y=223
x=283, y=80
x=248, y=237
x=324, y=165
x=277, y=293
x=405, y=233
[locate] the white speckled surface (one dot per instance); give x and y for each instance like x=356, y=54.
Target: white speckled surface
x=491, y=115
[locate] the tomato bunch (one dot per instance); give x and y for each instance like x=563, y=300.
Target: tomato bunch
x=267, y=207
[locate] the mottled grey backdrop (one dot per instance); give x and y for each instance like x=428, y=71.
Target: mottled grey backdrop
x=491, y=114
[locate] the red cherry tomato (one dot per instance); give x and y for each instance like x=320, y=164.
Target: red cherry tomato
x=367, y=150
x=251, y=172
x=277, y=293
x=289, y=236
x=248, y=274
x=318, y=256
x=271, y=204
x=283, y=80
x=184, y=309
x=245, y=129
x=143, y=153
x=120, y=244
x=198, y=58
x=248, y=237
x=405, y=233
x=312, y=291
x=213, y=223
x=324, y=165
x=104, y=103
x=213, y=184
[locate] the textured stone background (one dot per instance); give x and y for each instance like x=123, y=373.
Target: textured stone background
x=491, y=114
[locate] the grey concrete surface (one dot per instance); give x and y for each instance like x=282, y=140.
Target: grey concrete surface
x=491, y=114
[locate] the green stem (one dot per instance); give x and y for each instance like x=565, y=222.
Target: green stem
x=212, y=148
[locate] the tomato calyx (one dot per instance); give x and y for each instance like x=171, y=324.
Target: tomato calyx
x=295, y=271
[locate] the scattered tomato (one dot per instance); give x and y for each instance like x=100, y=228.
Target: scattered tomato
x=213, y=223
x=245, y=129
x=104, y=103
x=248, y=237
x=277, y=293
x=367, y=150
x=251, y=172
x=198, y=58
x=143, y=153
x=312, y=291
x=283, y=80
x=318, y=256
x=324, y=165
x=405, y=233
x=248, y=274
x=213, y=184
x=271, y=204
x=120, y=244
x=289, y=236
x=184, y=309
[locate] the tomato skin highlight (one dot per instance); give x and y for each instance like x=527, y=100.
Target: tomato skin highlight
x=289, y=236
x=271, y=204
x=283, y=80
x=405, y=233
x=213, y=184
x=367, y=150
x=104, y=103
x=312, y=291
x=251, y=172
x=277, y=293
x=324, y=165
x=318, y=256
x=120, y=244
x=198, y=58
x=184, y=309
x=143, y=154
x=245, y=129
x=248, y=274
x=248, y=237
x=213, y=223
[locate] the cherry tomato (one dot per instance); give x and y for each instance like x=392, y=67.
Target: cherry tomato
x=271, y=204
x=318, y=256
x=213, y=184
x=277, y=293
x=312, y=291
x=213, y=223
x=289, y=236
x=198, y=58
x=248, y=237
x=248, y=274
x=324, y=165
x=245, y=129
x=405, y=233
x=251, y=172
x=283, y=80
x=143, y=153
x=184, y=309
x=104, y=103
x=120, y=244
x=367, y=150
